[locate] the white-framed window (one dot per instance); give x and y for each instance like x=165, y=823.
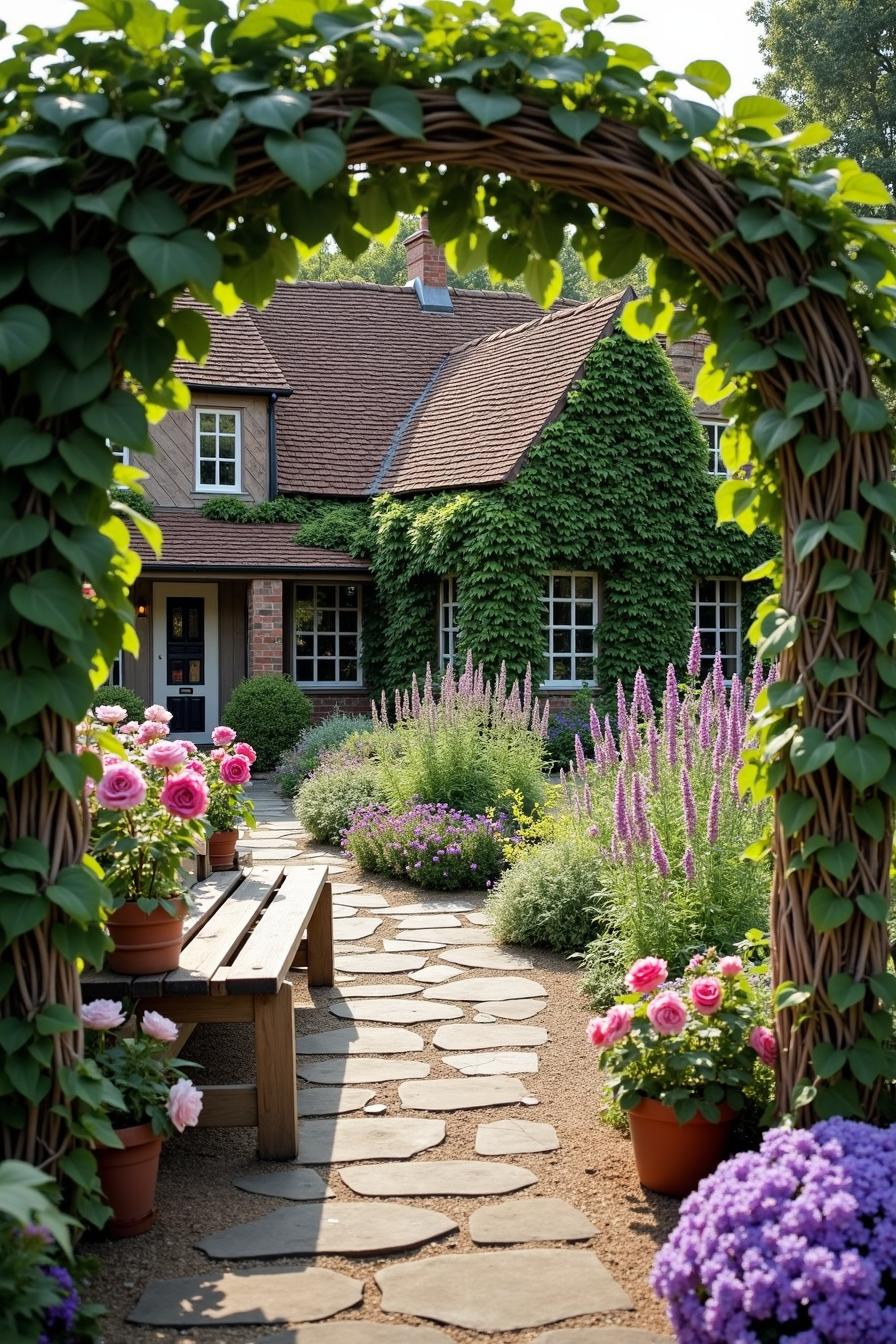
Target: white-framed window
x=714, y=429
x=327, y=626
x=569, y=617
x=120, y=453
x=448, y=630
x=218, y=450
x=114, y=677
x=717, y=617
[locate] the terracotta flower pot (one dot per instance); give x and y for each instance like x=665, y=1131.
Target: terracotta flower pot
x=671, y=1158
x=222, y=849
x=128, y=1176
x=145, y=943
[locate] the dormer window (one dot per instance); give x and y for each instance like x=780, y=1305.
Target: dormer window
x=218, y=451
x=714, y=429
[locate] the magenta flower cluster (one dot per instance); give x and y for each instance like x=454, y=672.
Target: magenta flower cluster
x=431, y=845
x=792, y=1243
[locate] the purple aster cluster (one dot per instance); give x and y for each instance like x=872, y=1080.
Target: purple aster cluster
x=794, y=1243
x=59, y=1319
x=431, y=845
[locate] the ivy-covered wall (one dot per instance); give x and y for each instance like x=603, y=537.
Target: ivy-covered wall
x=618, y=483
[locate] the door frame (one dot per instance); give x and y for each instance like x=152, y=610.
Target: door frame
x=160, y=594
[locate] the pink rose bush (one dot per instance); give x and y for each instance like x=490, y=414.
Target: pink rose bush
x=122, y=786
x=692, y=1044
x=184, y=795
x=141, y=1082
x=228, y=769
x=167, y=755
x=234, y=770
x=223, y=736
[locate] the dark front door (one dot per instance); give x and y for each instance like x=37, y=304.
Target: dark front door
x=186, y=655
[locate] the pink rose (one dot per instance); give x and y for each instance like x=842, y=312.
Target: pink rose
x=102, y=1014
x=166, y=755
x=706, y=995
x=763, y=1042
x=647, y=974
x=122, y=786
x=197, y=766
x=218, y=754
x=235, y=770
x=596, y=1032
x=667, y=1013
x=110, y=713
x=159, y=1027
x=150, y=732
x=222, y=737
x=243, y=749
x=88, y=590
x=184, y=795
x=730, y=965
x=191, y=748
x=129, y=728
x=695, y=961
x=618, y=1022
x=184, y=1104
x=157, y=714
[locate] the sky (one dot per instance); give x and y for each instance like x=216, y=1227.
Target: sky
x=674, y=31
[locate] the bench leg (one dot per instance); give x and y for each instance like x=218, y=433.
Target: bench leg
x=320, y=939
x=275, y=1065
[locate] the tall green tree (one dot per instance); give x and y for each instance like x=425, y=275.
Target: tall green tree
x=834, y=61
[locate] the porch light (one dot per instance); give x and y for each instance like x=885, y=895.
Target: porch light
x=142, y=608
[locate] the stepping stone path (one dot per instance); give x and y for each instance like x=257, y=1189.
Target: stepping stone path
x=373, y=1159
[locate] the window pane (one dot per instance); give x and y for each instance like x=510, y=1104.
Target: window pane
x=228, y=473
x=584, y=586
x=207, y=444
x=304, y=669
x=348, y=646
x=562, y=641
x=728, y=591
x=304, y=616
x=584, y=613
x=348, y=595
x=562, y=585
x=206, y=422
x=326, y=595
x=562, y=613
x=348, y=669
x=348, y=620
x=326, y=620
x=562, y=669
x=305, y=645
x=305, y=592
x=584, y=641
x=326, y=646
x=227, y=423
x=207, y=473
x=326, y=669
x=226, y=446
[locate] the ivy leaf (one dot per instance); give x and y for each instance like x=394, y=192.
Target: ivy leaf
x=780, y=630
x=207, y=138
x=839, y=860
x=783, y=293
x=48, y=204
x=755, y=224
x=772, y=430
x=544, y=280
x=857, y=595
x=863, y=414
x=849, y=529
x=21, y=695
x=51, y=600
x=756, y=109
x=880, y=623
x=169, y=263
x=844, y=992
x=19, y=756
x=872, y=904
x=881, y=494
x=107, y=202
x=794, y=811
x=192, y=333
x=829, y=670
x=71, y=281
x=697, y=118
x=119, y=418
x=802, y=397
x=487, y=108
x=29, y=165
x=827, y=1059
x=89, y=458
x=884, y=728
x=277, y=111
x=18, y=535
x=398, y=110
x=711, y=76
x=863, y=762
x=827, y=910
x=813, y=453
x=310, y=162
x=153, y=211
x=575, y=124
x=810, y=750
x=24, y=334
x=64, y=110
x=869, y=815
x=868, y=1061
x=69, y=770
x=671, y=149
x=119, y=139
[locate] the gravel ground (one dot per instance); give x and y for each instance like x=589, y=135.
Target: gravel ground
x=593, y=1169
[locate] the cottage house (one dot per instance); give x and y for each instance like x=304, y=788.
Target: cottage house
x=410, y=396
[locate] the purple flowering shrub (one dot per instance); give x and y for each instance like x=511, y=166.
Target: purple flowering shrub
x=430, y=845
x=794, y=1243
x=40, y=1301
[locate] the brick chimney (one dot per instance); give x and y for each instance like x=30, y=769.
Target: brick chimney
x=426, y=260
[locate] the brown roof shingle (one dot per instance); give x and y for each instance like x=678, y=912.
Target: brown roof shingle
x=491, y=398
x=238, y=356
x=190, y=540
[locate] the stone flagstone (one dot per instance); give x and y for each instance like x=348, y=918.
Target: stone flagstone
x=460, y=1094
x=343, y=912
x=379, y=963
x=515, y=1136
x=361, y=1041
x=347, y=930
x=296, y=1184
x=360, y=1070
x=504, y=1061
x=415, y=944
x=487, y=1036
x=487, y=959
x=268, y=854
x=328, y=1229
x=373, y=991
x=247, y=1297
x=502, y=1290
x=396, y=1010
x=436, y=975
x=515, y=1009
x=358, y=1332
x=479, y=917
x=325, y=1141
x=451, y=937
x=371, y=900
x=333, y=1100
x=482, y=988
x=344, y=888
x=437, y=1178
x=602, y=1334
x=435, y=905
x=519, y=1220
x=430, y=922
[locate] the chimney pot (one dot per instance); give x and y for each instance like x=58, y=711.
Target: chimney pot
x=425, y=259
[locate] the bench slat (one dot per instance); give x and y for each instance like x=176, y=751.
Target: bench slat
x=268, y=954
x=207, y=896
x=221, y=934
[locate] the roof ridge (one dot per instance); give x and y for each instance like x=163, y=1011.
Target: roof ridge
x=552, y=315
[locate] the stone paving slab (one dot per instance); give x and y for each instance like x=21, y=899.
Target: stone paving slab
x=358, y=1069
x=333, y=1100
x=524, y=1220
x=343, y=912
x=348, y=930
x=379, y=963
x=453, y=937
x=332, y=1228
x=360, y=1041
x=247, y=1297
x=362, y=990
x=430, y=922
x=299, y=1183
x=358, y=1332
x=501, y=1137
x=371, y=900
x=502, y=1290
x=460, y=1094
x=491, y=1063
x=517, y=1010
x=487, y=959
x=480, y=917
x=416, y=944
x=396, y=1010
x=323, y=1142
x=345, y=888
x=278, y=853
x=486, y=988
x=602, y=1334
x=437, y=1178
x=434, y=905
x=487, y=1036
x=436, y=975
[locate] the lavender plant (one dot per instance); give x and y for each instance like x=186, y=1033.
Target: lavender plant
x=431, y=845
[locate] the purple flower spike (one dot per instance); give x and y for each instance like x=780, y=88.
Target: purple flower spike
x=405, y=707
x=415, y=697
x=687, y=737
x=621, y=828
x=773, y=674
x=659, y=854
x=718, y=677
x=712, y=820
x=688, y=806
x=594, y=726
x=653, y=752
x=610, y=751
x=757, y=681
x=640, y=824
x=703, y=717
x=689, y=865
x=621, y=709
x=642, y=705
x=694, y=655
x=671, y=707
x=580, y=756
x=527, y=691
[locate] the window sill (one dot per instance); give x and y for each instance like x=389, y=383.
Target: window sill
x=330, y=686
x=566, y=686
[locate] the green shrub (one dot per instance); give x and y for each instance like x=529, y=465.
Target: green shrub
x=301, y=759
x=120, y=695
x=550, y=896
x=327, y=799
x=271, y=713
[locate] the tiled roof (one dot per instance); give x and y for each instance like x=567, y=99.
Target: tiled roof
x=357, y=357
x=238, y=356
x=491, y=398
x=193, y=541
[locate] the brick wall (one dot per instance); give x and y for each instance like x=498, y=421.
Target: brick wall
x=325, y=703
x=425, y=259
x=265, y=626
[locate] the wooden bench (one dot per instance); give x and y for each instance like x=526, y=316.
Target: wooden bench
x=246, y=931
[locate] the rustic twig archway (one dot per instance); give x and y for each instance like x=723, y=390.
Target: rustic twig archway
x=165, y=170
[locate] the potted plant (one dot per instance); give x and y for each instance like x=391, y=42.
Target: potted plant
x=155, y=1098
x=679, y=1060
x=227, y=771
x=147, y=808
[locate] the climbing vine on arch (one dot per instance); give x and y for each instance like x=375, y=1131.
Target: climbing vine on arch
x=138, y=158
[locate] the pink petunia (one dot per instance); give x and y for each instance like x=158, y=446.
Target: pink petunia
x=166, y=755
x=763, y=1042
x=706, y=995
x=668, y=1014
x=159, y=1027
x=122, y=786
x=235, y=770
x=102, y=1014
x=243, y=749
x=223, y=736
x=110, y=713
x=184, y=795
x=647, y=974
x=184, y=1104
